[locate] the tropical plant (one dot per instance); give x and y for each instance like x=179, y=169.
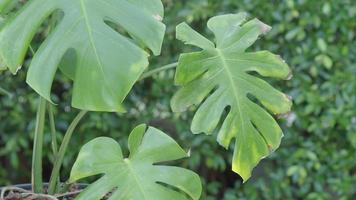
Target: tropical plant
x=83, y=33
x=221, y=71
x=101, y=46
x=140, y=176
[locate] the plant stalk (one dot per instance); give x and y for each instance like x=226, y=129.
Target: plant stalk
x=36, y=179
x=2, y=90
x=157, y=70
x=53, y=129
x=60, y=155
x=54, y=143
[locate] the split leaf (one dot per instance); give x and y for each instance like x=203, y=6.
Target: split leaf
x=139, y=177
x=108, y=59
x=220, y=78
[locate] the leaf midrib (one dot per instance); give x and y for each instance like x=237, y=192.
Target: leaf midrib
x=92, y=44
x=235, y=91
x=234, y=88
x=136, y=179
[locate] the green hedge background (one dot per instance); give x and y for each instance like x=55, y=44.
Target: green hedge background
x=317, y=158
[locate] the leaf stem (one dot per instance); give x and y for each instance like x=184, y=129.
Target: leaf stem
x=52, y=123
x=37, y=147
x=2, y=90
x=54, y=143
x=60, y=156
x=157, y=70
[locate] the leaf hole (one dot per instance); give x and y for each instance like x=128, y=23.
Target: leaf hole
x=46, y=27
x=270, y=149
x=223, y=117
x=122, y=31
x=174, y=189
x=254, y=99
x=109, y=194
x=257, y=75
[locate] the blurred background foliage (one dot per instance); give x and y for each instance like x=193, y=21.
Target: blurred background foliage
x=317, y=157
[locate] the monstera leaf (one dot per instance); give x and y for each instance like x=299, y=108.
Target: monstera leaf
x=139, y=177
x=106, y=62
x=220, y=78
x=4, y=6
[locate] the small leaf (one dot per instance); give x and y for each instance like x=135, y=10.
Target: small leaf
x=219, y=78
x=322, y=45
x=326, y=8
x=140, y=176
x=293, y=33
x=325, y=60
x=107, y=63
x=352, y=138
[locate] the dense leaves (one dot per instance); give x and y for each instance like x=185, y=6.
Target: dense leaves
x=140, y=176
x=221, y=72
x=106, y=63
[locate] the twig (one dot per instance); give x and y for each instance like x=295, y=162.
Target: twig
x=68, y=194
x=5, y=189
x=22, y=194
x=32, y=195
x=157, y=70
x=2, y=90
x=25, y=194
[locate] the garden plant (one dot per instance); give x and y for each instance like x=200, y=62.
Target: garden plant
x=103, y=47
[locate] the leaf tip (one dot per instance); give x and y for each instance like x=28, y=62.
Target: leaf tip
x=288, y=97
x=289, y=76
x=264, y=27
x=189, y=152
x=18, y=68
x=283, y=115
x=179, y=29
x=244, y=175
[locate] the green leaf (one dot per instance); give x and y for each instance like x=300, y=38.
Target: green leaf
x=106, y=63
x=352, y=138
x=219, y=78
x=2, y=65
x=322, y=45
x=140, y=176
x=4, y=4
x=325, y=60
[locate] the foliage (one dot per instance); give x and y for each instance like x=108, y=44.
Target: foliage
x=221, y=71
x=140, y=176
x=316, y=142
x=102, y=78
x=6, y=4
x=316, y=157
